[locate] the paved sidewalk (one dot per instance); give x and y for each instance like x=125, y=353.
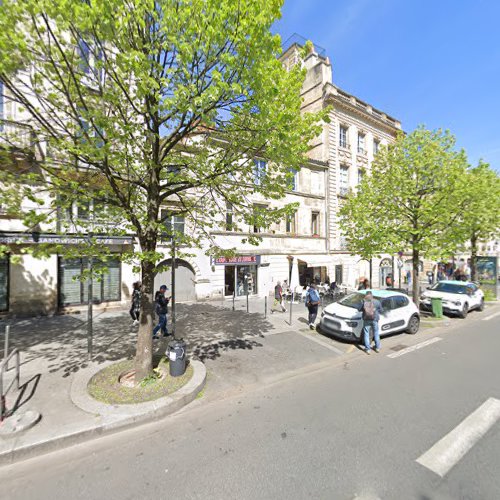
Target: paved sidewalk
x=54, y=352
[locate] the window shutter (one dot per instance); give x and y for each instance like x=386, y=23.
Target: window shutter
x=69, y=289
x=111, y=281
x=4, y=282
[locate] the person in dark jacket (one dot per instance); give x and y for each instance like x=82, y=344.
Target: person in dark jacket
x=312, y=303
x=135, y=307
x=161, y=310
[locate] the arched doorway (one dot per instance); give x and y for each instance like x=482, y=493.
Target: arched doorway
x=184, y=280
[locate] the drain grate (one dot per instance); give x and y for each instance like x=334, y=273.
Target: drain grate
x=399, y=347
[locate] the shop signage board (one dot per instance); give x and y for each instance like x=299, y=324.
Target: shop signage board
x=238, y=259
x=56, y=239
x=487, y=273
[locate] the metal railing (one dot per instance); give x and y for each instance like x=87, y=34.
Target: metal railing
x=4, y=367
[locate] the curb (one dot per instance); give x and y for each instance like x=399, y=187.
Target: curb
x=111, y=418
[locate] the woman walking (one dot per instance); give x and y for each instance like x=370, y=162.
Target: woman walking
x=135, y=308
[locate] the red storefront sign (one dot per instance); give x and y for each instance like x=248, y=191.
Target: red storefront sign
x=240, y=259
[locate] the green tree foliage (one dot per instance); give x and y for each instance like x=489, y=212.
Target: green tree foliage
x=145, y=103
x=411, y=200
x=481, y=219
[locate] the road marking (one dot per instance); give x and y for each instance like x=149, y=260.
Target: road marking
x=414, y=347
x=322, y=343
x=448, y=451
x=491, y=316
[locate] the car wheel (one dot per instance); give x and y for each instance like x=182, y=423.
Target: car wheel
x=465, y=311
x=481, y=306
x=413, y=325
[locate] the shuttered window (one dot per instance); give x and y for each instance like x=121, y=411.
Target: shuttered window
x=73, y=291
x=4, y=283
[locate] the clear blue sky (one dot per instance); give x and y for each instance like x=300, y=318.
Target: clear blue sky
x=435, y=63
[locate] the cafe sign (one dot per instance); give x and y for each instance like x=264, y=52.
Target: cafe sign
x=238, y=259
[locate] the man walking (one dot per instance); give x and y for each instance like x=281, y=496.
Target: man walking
x=278, y=297
x=161, y=310
x=312, y=303
x=371, y=314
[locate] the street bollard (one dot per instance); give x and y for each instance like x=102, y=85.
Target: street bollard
x=265, y=306
x=6, y=342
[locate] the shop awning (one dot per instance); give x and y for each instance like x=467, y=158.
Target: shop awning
x=315, y=260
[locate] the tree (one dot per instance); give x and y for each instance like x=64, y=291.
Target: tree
x=144, y=104
x=481, y=219
x=411, y=200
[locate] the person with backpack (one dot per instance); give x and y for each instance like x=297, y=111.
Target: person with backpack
x=371, y=310
x=135, y=307
x=312, y=303
x=161, y=305
x=278, y=297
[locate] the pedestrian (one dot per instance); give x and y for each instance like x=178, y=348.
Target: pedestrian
x=364, y=285
x=371, y=310
x=388, y=281
x=161, y=310
x=278, y=298
x=135, y=307
x=312, y=303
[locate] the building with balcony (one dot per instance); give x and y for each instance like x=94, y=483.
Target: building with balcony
x=347, y=145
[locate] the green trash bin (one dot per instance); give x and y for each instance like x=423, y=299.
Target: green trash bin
x=437, y=307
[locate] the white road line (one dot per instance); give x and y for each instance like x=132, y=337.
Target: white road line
x=448, y=451
x=322, y=343
x=491, y=316
x=414, y=347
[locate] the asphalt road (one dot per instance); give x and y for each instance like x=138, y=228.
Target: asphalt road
x=354, y=430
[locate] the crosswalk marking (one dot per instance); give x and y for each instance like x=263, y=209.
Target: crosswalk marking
x=449, y=450
x=414, y=347
x=491, y=316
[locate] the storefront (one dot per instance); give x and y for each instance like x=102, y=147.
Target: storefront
x=313, y=269
x=240, y=274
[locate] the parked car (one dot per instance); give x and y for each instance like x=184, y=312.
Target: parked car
x=343, y=319
x=459, y=297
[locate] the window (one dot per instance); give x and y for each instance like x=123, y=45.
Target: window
x=316, y=184
x=361, y=144
x=259, y=171
x=290, y=224
x=4, y=282
x=361, y=174
x=229, y=216
x=90, y=60
x=376, y=145
x=293, y=177
x=257, y=211
x=73, y=291
x=315, y=223
x=173, y=223
x=344, y=180
x=399, y=301
x=343, y=137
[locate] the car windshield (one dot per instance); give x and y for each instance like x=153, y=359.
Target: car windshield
x=449, y=288
x=355, y=300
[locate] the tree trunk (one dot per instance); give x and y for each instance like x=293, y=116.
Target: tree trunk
x=473, y=255
x=415, y=282
x=144, y=350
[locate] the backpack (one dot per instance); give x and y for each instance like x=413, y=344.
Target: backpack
x=368, y=310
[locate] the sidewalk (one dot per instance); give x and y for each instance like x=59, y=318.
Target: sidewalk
x=54, y=353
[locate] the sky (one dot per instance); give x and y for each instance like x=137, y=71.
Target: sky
x=433, y=63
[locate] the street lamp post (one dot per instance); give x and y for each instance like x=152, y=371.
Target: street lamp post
x=90, y=300
x=173, y=287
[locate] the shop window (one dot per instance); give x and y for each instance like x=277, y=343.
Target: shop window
x=74, y=291
x=4, y=283
x=315, y=223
